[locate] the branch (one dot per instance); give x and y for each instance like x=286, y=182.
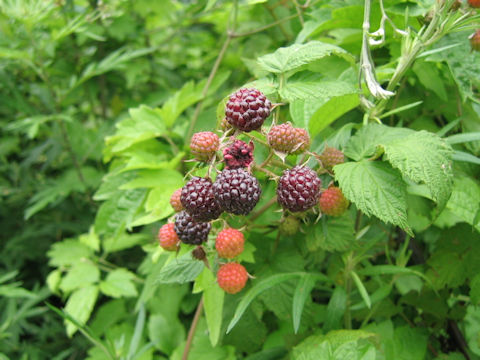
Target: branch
x=193, y=327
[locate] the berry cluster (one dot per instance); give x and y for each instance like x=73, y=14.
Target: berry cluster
x=236, y=191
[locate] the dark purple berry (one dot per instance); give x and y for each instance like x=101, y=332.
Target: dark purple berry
x=298, y=189
x=198, y=200
x=189, y=231
x=236, y=191
x=247, y=109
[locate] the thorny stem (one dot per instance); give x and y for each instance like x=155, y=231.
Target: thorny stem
x=193, y=327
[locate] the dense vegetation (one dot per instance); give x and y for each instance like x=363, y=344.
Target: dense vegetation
x=99, y=100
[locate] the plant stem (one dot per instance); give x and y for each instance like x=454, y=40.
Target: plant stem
x=264, y=208
x=193, y=327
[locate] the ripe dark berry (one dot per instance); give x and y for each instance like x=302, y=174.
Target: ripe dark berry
x=175, y=200
x=475, y=40
x=198, y=200
x=247, y=109
x=167, y=237
x=289, y=226
x=232, y=277
x=474, y=3
x=287, y=139
x=238, y=155
x=204, y=145
x=332, y=202
x=236, y=191
x=331, y=157
x=298, y=189
x=189, y=231
x=229, y=243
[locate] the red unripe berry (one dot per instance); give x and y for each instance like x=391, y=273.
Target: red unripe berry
x=475, y=40
x=287, y=139
x=175, y=200
x=204, y=145
x=333, y=202
x=167, y=237
x=232, y=277
x=229, y=243
x=331, y=157
x=474, y=3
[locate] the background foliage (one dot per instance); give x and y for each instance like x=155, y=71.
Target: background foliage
x=99, y=100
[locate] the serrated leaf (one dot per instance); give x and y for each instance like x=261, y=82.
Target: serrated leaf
x=337, y=344
x=118, y=283
x=295, y=56
x=304, y=287
x=465, y=200
x=115, y=215
x=181, y=270
x=261, y=286
x=188, y=95
x=365, y=142
x=80, y=305
x=376, y=189
x=334, y=234
x=423, y=157
x=67, y=252
x=80, y=275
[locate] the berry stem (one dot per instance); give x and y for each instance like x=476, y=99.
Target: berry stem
x=264, y=208
x=193, y=327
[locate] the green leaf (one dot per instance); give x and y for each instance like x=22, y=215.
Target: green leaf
x=95, y=340
x=115, y=215
x=361, y=289
x=119, y=283
x=335, y=309
x=304, y=287
x=423, y=157
x=144, y=123
x=213, y=297
x=125, y=241
x=137, y=335
x=295, y=56
x=334, y=234
x=80, y=275
x=262, y=286
x=67, y=252
x=365, y=142
x=389, y=270
x=79, y=306
x=316, y=104
x=181, y=270
x=463, y=138
x=376, y=189
x=165, y=333
x=465, y=200
x=465, y=157
x=338, y=344
x=188, y=95
x=475, y=290
x=155, y=178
